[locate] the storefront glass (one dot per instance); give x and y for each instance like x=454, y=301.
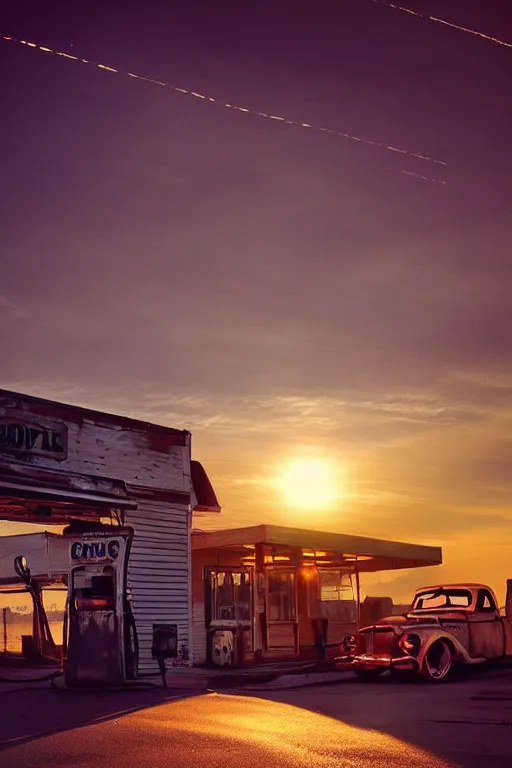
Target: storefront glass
x=281, y=595
x=231, y=595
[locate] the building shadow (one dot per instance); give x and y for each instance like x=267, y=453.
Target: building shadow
x=463, y=723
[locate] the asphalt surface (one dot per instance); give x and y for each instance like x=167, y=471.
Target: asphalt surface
x=466, y=722
x=386, y=724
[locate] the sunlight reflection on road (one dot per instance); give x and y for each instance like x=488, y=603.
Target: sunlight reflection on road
x=286, y=734
x=221, y=731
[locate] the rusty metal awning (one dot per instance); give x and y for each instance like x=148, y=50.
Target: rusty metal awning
x=343, y=550
x=31, y=482
x=205, y=498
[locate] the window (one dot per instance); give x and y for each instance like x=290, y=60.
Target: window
x=337, y=599
x=459, y=601
x=442, y=598
x=281, y=596
x=231, y=595
x=486, y=602
x=335, y=585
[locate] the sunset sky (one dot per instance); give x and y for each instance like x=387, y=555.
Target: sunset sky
x=279, y=291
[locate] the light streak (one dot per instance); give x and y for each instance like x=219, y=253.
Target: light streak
x=443, y=22
x=424, y=178
x=243, y=110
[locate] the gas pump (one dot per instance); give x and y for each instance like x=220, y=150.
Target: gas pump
x=101, y=647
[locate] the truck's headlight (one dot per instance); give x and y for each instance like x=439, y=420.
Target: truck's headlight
x=349, y=643
x=412, y=644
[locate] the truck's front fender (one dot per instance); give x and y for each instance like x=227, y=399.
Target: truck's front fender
x=429, y=638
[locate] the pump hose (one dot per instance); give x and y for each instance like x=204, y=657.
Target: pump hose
x=98, y=689
x=51, y=676
x=132, y=685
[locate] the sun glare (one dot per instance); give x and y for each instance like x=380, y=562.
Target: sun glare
x=309, y=483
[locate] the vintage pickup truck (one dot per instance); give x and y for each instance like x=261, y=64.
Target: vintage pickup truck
x=447, y=625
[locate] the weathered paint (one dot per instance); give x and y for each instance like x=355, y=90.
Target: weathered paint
x=473, y=634
x=34, y=436
x=378, y=554
x=154, y=464
x=103, y=444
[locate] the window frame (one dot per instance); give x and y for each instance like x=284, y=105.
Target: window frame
x=456, y=592
x=482, y=594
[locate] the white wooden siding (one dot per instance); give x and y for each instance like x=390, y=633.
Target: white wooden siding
x=125, y=454
x=198, y=634
x=158, y=573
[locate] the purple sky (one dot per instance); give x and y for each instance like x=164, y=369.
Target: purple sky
x=264, y=285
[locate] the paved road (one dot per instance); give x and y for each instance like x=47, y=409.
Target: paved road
x=219, y=731
x=382, y=725
x=467, y=722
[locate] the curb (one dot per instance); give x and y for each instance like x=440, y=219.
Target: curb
x=265, y=687
x=234, y=682
x=240, y=679
x=305, y=684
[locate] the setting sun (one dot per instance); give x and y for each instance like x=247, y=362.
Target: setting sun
x=309, y=482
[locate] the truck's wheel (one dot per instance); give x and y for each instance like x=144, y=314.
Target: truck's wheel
x=438, y=662
x=368, y=674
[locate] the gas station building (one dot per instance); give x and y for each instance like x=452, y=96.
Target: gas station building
x=125, y=491
x=271, y=592
x=60, y=464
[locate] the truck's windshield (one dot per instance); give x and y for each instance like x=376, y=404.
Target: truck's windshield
x=442, y=598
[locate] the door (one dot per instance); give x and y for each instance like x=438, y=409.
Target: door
x=486, y=629
x=337, y=603
x=282, y=610
x=229, y=611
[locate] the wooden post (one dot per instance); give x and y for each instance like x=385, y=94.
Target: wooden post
x=261, y=638
x=358, y=597
x=297, y=583
x=4, y=616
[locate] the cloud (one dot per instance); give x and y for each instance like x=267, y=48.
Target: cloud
x=432, y=523
x=489, y=388
x=353, y=417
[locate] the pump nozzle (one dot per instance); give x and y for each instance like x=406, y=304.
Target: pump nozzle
x=22, y=569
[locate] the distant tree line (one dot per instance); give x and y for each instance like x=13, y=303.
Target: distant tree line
x=21, y=614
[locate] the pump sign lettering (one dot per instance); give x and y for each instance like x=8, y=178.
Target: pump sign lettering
x=94, y=551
